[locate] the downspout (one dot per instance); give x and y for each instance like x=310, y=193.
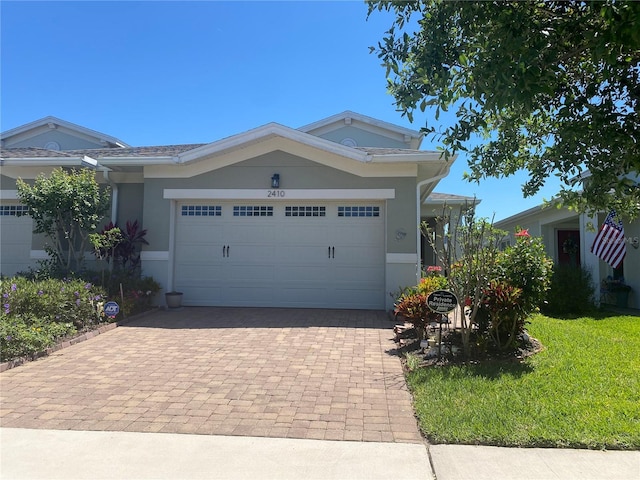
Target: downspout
x=418, y=208
x=114, y=196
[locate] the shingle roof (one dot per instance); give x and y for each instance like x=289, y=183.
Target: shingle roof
x=152, y=151
x=97, y=153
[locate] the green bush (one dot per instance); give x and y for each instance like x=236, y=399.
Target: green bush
x=34, y=314
x=571, y=292
x=24, y=336
x=526, y=266
x=63, y=301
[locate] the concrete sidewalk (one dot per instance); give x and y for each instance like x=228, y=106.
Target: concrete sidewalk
x=59, y=454
x=467, y=462
x=75, y=455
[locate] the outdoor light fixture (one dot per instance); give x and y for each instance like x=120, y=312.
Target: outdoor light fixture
x=89, y=162
x=275, y=180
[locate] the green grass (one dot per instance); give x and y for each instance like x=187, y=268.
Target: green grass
x=582, y=391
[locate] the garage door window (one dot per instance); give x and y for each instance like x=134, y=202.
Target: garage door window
x=13, y=210
x=201, y=211
x=358, y=211
x=306, y=211
x=252, y=211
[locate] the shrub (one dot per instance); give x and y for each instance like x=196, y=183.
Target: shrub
x=571, y=291
x=71, y=301
x=24, y=336
x=506, y=319
x=525, y=265
x=412, y=303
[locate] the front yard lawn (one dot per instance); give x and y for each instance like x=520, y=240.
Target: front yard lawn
x=582, y=390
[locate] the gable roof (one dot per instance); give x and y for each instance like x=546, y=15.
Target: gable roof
x=53, y=122
x=412, y=137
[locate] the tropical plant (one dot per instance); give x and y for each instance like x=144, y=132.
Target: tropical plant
x=121, y=247
x=502, y=303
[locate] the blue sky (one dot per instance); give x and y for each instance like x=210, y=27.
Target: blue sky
x=160, y=73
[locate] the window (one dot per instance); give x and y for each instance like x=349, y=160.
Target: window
x=201, y=211
x=305, y=211
x=13, y=210
x=359, y=211
x=252, y=211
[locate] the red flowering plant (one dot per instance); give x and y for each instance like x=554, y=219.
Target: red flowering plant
x=412, y=303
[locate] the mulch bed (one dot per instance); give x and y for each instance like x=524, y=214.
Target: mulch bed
x=407, y=342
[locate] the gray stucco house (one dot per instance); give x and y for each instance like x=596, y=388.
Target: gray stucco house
x=325, y=215
x=568, y=237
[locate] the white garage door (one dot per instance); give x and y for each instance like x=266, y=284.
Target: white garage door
x=15, y=240
x=324, y=255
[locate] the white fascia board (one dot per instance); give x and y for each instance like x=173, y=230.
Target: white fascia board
x=264, y=132
x=409, y=158
x=286, y=194
x=62, y=123
x=361, y=118
x=136, y=161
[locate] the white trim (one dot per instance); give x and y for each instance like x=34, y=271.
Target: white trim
x=38, y=255
x=48, y=121
x=410, y=258
x=266, y=132
x=154, y=255
x=9, y=194
x=348, y=114
x=173, y=213
x=280, y=194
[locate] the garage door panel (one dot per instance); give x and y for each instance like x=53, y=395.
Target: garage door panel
x=248, y=234
x=280, y=260
x=302, y=254
x=249, y=273
x=202, y=234
x=303, y=233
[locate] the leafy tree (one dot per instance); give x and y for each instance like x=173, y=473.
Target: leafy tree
x=65, y=206
x=552, y=87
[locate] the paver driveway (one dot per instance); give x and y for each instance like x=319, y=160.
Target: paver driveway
x=321, y=374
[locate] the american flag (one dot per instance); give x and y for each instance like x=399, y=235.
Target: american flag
x=609, y=244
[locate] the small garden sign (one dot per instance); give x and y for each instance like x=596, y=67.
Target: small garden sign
x=111, y=309
x=442, y=301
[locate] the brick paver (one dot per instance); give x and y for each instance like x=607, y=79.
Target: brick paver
x=321, y=374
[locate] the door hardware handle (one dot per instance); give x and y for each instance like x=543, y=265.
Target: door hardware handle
x=333, y=252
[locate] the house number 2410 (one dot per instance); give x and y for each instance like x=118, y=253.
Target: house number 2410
x=275, y=193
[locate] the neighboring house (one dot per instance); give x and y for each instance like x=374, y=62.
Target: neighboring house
x=326, y=215
x=568, y=237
